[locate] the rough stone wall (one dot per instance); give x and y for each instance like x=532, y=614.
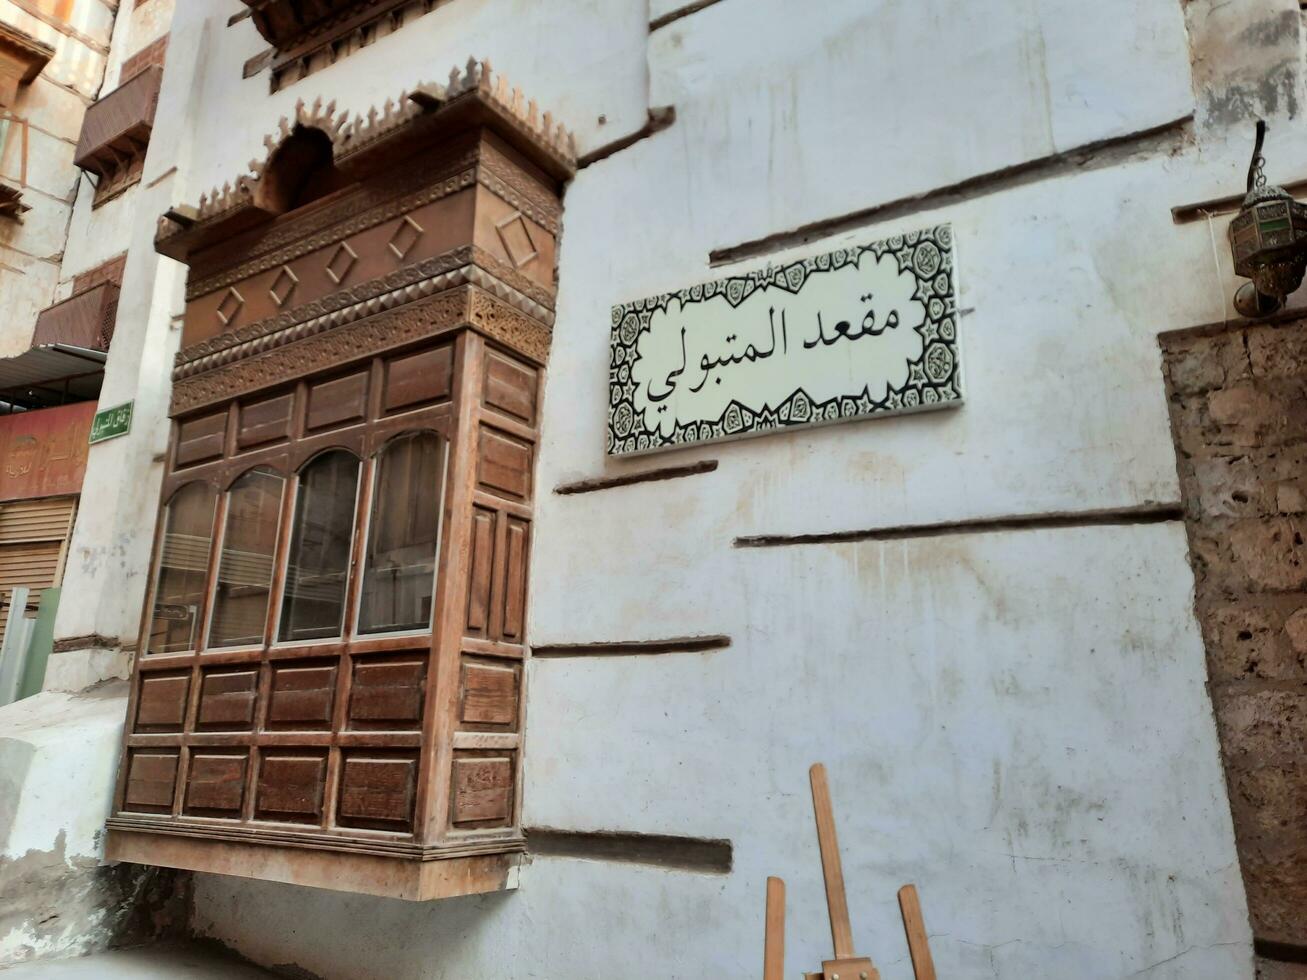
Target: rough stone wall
x=55, y=905
x=1238, y=401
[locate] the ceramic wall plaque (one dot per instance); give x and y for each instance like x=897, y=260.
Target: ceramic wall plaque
x=862, y=331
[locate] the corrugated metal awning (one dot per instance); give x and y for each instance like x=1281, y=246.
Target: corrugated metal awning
x=44, y=371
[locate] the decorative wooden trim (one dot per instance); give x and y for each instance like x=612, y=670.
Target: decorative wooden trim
x=442, y=875
x=473, y=94
x=311, y=348
x=465, y=265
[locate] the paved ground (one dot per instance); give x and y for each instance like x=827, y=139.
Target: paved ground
x=151, y=963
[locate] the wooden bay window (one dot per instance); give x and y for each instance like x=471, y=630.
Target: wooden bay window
x=329, y=690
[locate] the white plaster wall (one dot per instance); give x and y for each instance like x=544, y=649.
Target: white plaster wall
x=1017, y=722
x=53, y=105
x=108, y=557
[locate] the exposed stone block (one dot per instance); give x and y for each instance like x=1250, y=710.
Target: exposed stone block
x=1261, y=728
x=1268, y=970
x=1252, y=638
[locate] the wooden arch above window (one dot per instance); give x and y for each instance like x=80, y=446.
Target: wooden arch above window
x=331, y=688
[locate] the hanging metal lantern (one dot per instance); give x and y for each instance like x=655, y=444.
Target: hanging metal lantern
x=1269, y=241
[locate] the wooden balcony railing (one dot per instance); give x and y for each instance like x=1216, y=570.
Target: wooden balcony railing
x=117, y=128
x=85, y=319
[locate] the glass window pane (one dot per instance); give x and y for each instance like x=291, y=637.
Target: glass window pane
x=400, y=564
x=240, y=602
x=183, y=568
x=318, y=568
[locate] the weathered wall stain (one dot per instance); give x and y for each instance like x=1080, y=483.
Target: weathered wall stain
x=53, y=904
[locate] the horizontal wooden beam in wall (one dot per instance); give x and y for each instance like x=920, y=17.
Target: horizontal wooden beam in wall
x=660, y=118
x=1184, y=213
x=673, y=16
x=632, y=648
x=1110, y=152
x=1142, y=514
x=643, y=476
x=700, y=854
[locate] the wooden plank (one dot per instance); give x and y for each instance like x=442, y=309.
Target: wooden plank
x=264, y=421
x=419, y=379
x=482, y=561
x=162, y=704
x=923, y=964
x=515, y=577
x=510, y=388
x=216, y=784
x=483, y=789
x=337, y=402
x=151, y=776
x=201, y=439
x=227, y=700
x=489, y=694
x=302, y=696
x=378, y=791
x=291, y=787
x=832, y=871
x=504, y=464
x=773, y=957
x=387, y=693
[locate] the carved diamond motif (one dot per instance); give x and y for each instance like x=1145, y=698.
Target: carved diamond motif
x=342, y=260
x=516, y=236
x=283, y=286
x=230, y=306
x=406, y=236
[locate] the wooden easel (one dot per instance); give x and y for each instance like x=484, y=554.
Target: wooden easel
x=846, y=965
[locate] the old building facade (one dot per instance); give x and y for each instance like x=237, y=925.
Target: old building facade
x=418, y=616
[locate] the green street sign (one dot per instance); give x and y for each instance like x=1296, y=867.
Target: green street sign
x=111, y=422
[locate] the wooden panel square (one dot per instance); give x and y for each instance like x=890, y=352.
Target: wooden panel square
x=162, y=704
x=387, y=694
x=215, y=786
x=337, y=402
x=419, y=379
x=504, y=464
x=510, y=387
x=201, y=439
x=482, y=789
x=515, y=559
x=378, y=790
x=264, y=421
x=489, y=695
x=302, y=696
x=227, y=700
x=151, y=780
x=480, y=571
x=291, y=787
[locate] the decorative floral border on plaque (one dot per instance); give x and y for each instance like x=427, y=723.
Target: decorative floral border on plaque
x=934, y=379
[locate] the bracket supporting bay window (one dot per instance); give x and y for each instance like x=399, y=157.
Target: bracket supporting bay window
x=329, y=688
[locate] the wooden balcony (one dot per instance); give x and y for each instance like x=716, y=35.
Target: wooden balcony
x=283, y=22
x=117, y=128
x=85, y=319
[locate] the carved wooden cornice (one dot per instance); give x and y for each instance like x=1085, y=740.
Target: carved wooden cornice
x=327, y=345
x=473, y=96
x=466, y=265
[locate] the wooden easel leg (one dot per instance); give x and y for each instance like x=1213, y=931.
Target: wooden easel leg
x=923, y=964
x=773, y=958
